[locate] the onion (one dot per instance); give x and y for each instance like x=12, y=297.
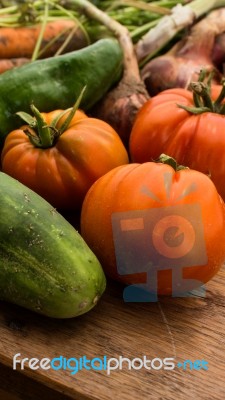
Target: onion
x=120, y=106
x=182, y=64
x=218, y=53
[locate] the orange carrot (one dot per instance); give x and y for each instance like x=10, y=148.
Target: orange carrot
x=20, y=42
x=6, y=64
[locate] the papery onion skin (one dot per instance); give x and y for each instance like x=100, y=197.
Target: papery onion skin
x=120, y=106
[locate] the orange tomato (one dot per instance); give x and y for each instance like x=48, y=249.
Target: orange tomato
x=139, y=218
x=63, y=170
x=194, y=140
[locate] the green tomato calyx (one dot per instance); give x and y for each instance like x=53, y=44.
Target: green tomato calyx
x=47, y=135
x=202, y=96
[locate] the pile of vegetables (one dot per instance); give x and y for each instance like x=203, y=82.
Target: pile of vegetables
x=113, y=112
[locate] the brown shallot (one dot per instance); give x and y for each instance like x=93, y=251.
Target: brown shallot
x=183, y=62
x=119, y=107
x=218, y=53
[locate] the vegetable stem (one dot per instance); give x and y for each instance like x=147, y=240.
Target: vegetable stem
x=68, y=120
x=131, y=68
x=146, y=6
x=43, y=131
x=202, y=91
x=68, y=13
x=170, y=25
x=165, y=159
x=221, y=96
x=202, y=97
x=201, y=7
x=7, y=10
x=47, y=135
x=143, y=29
x=40, y=37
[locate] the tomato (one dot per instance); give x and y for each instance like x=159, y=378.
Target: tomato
x=197, y=141
x=62, y=167
x=143, y=218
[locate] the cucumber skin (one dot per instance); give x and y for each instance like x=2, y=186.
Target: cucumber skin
x=56, y=82
x=45, y=265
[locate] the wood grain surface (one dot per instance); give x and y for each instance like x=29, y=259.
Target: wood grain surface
x=184, y=328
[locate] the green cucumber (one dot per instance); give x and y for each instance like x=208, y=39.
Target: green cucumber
x=56, y=82
x=45, y=265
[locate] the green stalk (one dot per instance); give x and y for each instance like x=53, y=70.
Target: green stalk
x=71, y=16
x=201, y=7
x=169, y=26
x=165, y=159
x=8, y=22
x=8, y=10
x=65, y=11
x=202, y=98
x=43, y=138
x=154, y=8
x=47, y=135
x=131, y=68
x=40, y=37
x=66, y=42
x=73, y=110
x=138, y=32
x=51, y=42
x=44, y=132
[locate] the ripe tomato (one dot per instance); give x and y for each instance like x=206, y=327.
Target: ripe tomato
x=62, y=169
x=141, y=217
x=197, y=141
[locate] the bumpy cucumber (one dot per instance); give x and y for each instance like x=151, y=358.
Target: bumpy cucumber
x=45, y=265
x=56, y=82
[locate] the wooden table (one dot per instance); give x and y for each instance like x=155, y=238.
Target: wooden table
x=184, y=328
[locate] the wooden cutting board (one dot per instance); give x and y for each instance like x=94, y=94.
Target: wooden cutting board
x=183, y=328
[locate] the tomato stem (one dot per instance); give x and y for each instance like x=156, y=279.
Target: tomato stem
x=47, y=135
x=44, y=133
x=202, y=92
x=165, y=159
x=221, y=96
x=202, y=97
x=68, y=120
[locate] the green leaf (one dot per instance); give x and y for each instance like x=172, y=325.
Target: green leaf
x=194, y=110
x=31, y=121
x=72, y=112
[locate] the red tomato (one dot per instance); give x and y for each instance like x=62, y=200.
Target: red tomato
x=138, y=216
x=63, y=171
x=197, y=141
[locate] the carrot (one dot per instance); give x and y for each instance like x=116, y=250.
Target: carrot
x=6, y=64
x=20, y=41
